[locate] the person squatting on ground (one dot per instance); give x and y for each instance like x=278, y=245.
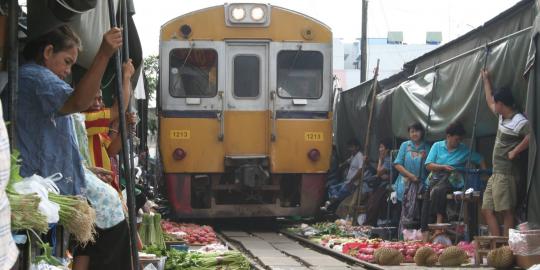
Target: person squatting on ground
x=377, y=185
x=512, y=139
x=46, y=137
x=338, y=192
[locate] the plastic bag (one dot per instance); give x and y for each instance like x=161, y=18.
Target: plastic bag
x=524, y=242
x=412, y=235
x=44, y=266
x=40, y=186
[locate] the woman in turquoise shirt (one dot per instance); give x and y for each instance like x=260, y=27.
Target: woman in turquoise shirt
x=409, y=164
x=442, y=161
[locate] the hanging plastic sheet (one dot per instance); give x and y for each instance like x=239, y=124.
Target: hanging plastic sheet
x=456, y=91
x=533, y=99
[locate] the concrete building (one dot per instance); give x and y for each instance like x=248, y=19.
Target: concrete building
x=391, y=51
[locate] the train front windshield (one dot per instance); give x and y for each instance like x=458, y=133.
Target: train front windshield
x=193, y=73
x=300, y=74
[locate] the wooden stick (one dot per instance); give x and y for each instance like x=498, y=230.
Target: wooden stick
x=355, y=204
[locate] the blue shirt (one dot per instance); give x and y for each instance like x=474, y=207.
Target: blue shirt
x=45, y=138
x=456, y=158
x=411, y=157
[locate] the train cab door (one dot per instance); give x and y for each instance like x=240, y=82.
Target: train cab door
x=246, y=101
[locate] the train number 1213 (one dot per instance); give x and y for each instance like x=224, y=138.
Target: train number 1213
x=180, y=134
x=313, y=136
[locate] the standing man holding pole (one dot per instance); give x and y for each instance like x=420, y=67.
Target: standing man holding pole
x=512, y=139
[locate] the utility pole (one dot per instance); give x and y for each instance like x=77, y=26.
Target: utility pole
x=363, y=43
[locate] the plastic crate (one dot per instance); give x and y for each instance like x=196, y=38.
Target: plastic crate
x=472, y=178
x=158, y=263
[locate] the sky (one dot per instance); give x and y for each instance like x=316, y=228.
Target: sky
x=413, y=17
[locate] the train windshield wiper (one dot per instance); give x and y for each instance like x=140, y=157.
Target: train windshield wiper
x=188, y=55
x=296, y=57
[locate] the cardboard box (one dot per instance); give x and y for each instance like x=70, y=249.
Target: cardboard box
x=527, y=261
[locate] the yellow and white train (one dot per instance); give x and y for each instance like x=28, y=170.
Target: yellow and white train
x=245, y=111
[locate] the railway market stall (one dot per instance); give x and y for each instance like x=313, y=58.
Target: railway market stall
x=443, y=86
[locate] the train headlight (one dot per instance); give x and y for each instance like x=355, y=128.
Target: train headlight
x=257, y=13
x=247, y=15
x=179, y=154
x=238, y=13
x=314, y=154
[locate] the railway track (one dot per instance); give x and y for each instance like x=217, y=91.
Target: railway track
x=268, y=247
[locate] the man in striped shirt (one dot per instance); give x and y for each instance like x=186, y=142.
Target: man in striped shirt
x=512, y=139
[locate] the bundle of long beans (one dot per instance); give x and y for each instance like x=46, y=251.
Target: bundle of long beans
x=76, y=216
x=25, y=213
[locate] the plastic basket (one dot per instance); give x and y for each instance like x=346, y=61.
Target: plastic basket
x=158, y=263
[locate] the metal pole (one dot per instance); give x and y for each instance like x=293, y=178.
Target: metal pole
x=433, y=87
x=13, y=66
x=125, y=55
x=123, y=133
x=363, y=43
x=355, y=204
x=473, y=136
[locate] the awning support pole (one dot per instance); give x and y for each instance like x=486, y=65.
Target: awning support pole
x=355, y=204
x=123, y=133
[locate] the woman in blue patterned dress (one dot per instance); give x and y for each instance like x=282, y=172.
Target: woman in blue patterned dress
x=412, y=175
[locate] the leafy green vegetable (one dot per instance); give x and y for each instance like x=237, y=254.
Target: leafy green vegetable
x=181, y=260
x=47, y=256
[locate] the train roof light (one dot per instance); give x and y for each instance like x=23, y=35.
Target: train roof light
x=257, y=13
x=236, y=15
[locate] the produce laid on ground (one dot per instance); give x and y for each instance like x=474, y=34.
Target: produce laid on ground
x=192, y=234
x=217, y=258
x=338, y=228
x=355, y=241
x=365, y=249
x=501, y=258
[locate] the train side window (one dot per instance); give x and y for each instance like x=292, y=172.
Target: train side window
x=246, y=76
x=299, y=74
x=193, y=73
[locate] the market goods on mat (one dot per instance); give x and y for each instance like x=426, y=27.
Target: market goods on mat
x=425, y=256
x=364, y=249
x=76, y=216
x=501, y=258
x=453, y=256
x=193, y=234
x=387, y=256
x=337, y=228
x=181, y=260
